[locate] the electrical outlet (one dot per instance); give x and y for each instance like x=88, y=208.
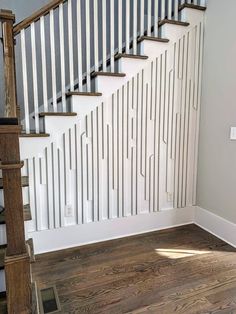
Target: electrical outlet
x=68, y=211
x=233, y=133
x=169, y=197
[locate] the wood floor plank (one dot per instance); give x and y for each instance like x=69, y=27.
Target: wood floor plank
x=180, y=270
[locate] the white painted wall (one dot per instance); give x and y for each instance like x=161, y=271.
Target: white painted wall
x=217, y=154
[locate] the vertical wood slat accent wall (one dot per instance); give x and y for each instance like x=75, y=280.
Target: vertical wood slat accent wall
x=135, y=153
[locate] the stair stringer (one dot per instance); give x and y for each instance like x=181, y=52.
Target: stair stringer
x=63, y=174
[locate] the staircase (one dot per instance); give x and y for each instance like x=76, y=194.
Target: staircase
x=109, y=103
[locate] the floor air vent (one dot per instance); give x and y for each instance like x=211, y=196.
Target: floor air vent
x=49, y=301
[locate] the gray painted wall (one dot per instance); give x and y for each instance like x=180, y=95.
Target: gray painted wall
x=217, y=154
x=22, y=8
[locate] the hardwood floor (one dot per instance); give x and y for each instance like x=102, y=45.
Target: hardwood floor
x=179, y=270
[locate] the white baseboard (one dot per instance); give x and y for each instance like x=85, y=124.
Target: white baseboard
x=218, y=226
x=72, y=236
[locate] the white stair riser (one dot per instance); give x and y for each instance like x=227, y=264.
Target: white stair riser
x=173, y=32
x=131, y=66
x=108, y=84
x=3, y=239
x=194, y=16
x=84, y=104
x=153, y=48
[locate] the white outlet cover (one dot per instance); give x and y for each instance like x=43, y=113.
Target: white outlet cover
x=68, y=211
x=233, y=133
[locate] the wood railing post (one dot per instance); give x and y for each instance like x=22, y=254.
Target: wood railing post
x=17, y=260
x=8, y=18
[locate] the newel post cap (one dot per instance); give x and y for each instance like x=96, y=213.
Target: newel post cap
x=6, y=15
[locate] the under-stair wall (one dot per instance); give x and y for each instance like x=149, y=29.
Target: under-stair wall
x=127, y=162
x=124, y=159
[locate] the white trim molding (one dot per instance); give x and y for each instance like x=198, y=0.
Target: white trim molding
x=218, y=226
x=77, y=235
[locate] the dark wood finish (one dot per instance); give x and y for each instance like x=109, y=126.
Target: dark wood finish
x=57, y=114
x=92, y=94
x=26, y=214
x=192, y=6
x=24, y=182
x=35, y=305
x=18, y=283
x=3, y=247
x=30, y=245
x=7, y=18
x=34, y=135
x=2, y=256
x=152, y=38
x=166, y=21
x=36, y=15
x=10, y=155
x=130, y=56
x=16, y=262
x=129, y=275
x=116, y=74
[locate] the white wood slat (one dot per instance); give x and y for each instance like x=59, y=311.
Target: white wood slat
x=95, y=22
x=169, y=9
x=163, y=10
x=62, y=57
x=120, y=28
x=112, y=44
x=25, y=82
x=53, y=61
x=176, y=8
x=127, y=27
x=71, y=46
x=156, y=16
x=104, y=37
x=141, y=17
x=135, y=16
x=44, y=63
x=149, y=18
x=79, y=47
x=88, y=63
x=35, y=77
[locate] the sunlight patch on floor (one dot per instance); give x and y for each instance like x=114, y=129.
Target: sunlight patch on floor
x=178, y=253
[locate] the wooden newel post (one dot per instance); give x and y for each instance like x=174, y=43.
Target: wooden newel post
x=8, y=19
x=17, y=260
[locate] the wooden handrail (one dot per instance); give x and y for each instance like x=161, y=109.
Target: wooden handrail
x=36, y=15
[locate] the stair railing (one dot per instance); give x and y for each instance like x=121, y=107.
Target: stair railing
x=17, y=262
x=60, y=46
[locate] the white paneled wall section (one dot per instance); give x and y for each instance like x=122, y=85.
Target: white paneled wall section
x=134, y=153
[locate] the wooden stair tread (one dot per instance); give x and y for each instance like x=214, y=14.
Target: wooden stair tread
x=34, y=135
x=24, y=182
x=83, y=94
x=26, y=211
x=174, y=22
x=131, y=56
x=152, y=38
x=2, y=255
x=57, y=114
x=116, y=74
x=191, y=6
